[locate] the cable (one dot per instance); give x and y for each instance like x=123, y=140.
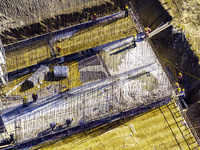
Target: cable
x=175, y=66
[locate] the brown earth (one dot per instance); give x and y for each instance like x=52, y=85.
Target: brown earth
x=20, y=21
x=187, y=15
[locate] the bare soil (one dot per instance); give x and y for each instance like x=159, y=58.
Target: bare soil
x=22, y=20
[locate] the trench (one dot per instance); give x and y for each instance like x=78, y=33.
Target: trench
x=171, y=45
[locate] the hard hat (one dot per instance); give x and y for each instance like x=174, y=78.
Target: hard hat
x=94, y=13
x=25, y=97
x=183, y=90
x=126, y=7
x=179, y=89
x=145, y=29
x=176, y=84
x=34, y=93
x=134, y=34
x=180, y=73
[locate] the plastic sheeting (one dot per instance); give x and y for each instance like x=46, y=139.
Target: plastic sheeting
x=61, y=71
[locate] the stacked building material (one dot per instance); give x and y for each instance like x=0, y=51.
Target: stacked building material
x=38, y=76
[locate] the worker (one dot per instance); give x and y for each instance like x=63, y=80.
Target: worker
x=178, y=90
x=24, y=101
x=68, y=121
x=181, y=95
x=12, y=138
x=180, y=78
x=35, y=97
x=147, y=31
x=53, y=125
x=58, y=49
x=94, y=17
x=126, y=11
x=134, y=40
x=81, y=122
x=59, y=126
x=111, y=107
x=176, y=85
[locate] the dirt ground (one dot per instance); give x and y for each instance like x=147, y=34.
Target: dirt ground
x=187, y=19
x=22, y=20
x=31, y=11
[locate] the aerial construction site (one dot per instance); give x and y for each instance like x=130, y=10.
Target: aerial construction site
x=99, y=74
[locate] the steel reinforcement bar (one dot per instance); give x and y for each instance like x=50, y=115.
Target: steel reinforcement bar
x=89, y=125
x=63, y=31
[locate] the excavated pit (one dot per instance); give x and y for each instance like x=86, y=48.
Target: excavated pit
x=170, y=44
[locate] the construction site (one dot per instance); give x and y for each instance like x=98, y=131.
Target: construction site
x=107, y=74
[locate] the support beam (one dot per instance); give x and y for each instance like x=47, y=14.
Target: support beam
x=158, y=30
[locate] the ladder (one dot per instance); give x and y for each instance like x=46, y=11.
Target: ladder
x=3, y=67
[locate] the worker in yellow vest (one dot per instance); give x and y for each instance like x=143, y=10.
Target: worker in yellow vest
x=180, y=78
x=134, y=40
x=126, y=11
x=59, y=50
x=94, y=17
x=24, y=101
x=147, y=31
